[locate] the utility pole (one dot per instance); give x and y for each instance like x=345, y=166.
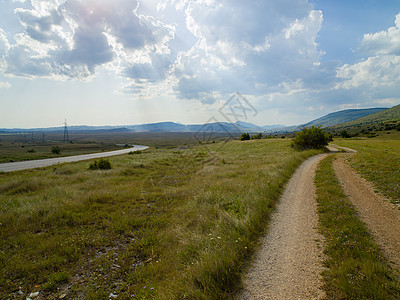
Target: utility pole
x=66, y=136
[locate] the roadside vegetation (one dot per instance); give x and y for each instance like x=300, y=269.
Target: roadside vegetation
x=10, y=151
x=100, y=164
x=310, y=138
x=168, y=223
x=378, y=160
x=355, y=268
x=15, y=147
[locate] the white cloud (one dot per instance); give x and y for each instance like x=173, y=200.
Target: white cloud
x=69, y=39
x=5, y=85
x=373, y=72
x=4, y=44
x=200, y=48
x=386, y=42
x=247, y=47
x=381, y=68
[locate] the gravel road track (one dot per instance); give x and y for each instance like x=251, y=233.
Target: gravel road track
x=381, y=216
x=289, y=261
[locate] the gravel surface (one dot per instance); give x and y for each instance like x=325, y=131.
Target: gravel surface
x=289, y=261
x=381, y=216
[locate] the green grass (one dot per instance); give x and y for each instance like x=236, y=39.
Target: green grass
x=10, y=151
x=165, y=224
x=355, y=268
x=390, y=115
x=377, y=160
x=15, y=147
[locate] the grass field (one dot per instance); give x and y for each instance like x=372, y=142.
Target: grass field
x=16, y=147
x=378, y=160
x=166, y=223
x=355, y=268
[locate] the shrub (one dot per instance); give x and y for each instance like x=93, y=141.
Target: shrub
x=245, y=136
x=257, y=136
x=56, y=150
x=135, y=152
x=344, y=134
x=101, y=164
x=310, y=138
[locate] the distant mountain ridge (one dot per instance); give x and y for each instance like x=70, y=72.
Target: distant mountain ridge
x=350, y=117
x=342, y=116
x=388, y=115
x=157, y=127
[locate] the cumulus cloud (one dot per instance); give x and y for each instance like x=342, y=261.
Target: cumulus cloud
x=200, y=48
x=5, y=85
x=249, y=46
x=381, y=67
x=373, y=72
x=69, y=39
x=386, y=42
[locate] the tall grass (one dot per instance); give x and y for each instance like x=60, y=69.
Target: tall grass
x=162, y=224
x=355, y=268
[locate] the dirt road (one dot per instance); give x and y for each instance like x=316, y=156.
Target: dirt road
x=40, y=163
x=381, y=216
x=289, y=261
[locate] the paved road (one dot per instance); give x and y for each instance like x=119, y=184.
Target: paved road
x=40, y=163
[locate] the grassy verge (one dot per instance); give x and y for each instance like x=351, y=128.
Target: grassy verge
x=377, y=160
x=10, y=152
x=16, y=148
x=160, y=224
x=355, y=269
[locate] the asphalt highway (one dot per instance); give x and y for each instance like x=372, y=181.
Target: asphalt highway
x=40, y=163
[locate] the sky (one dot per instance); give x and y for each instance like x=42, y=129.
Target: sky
x=123, y=62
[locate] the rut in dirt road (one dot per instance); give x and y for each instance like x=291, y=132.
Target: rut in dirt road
x=381, y=217
x=289, y=261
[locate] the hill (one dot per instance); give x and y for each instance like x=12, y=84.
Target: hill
x=155, y=127
x=388, y=115
x=343, y=116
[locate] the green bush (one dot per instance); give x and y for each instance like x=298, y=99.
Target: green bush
x=344, y=134
x=135, y=152
x=56, y=150
x=101, y=164
x=310, y=138
x=245, y=136
x=257, y=136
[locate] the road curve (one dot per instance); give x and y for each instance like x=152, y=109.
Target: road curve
x=40, y=163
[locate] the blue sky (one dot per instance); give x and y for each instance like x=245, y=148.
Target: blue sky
x=115, y=62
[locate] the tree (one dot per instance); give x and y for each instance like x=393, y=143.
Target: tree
x=344, y=134
x=56, y=150
x=245, y=136
x=310, y=138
